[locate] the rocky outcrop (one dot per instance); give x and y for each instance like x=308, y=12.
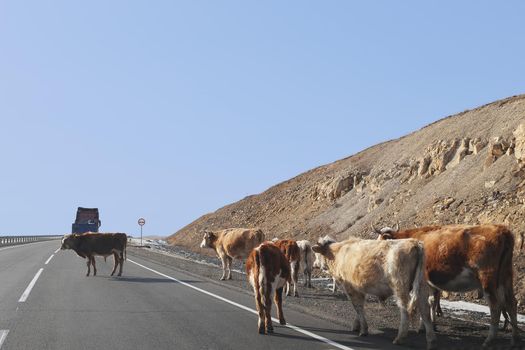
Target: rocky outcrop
x=519, y=144
x=336, y=187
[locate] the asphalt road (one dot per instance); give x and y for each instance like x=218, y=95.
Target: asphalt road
x=150, y=307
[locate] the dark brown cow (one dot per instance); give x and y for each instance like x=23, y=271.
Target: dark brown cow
x=268, y=271
x=104, y=244
x=291, y=250
x=462, y=258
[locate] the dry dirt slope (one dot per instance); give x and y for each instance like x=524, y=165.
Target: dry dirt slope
x=466, y=168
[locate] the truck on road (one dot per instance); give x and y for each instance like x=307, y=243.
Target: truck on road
x=87, y=220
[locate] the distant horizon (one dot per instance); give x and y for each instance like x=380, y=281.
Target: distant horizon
x=173, y=110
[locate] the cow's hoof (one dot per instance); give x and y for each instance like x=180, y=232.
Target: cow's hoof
x=119, y=274
x=363, y=334
x=432, y=345
x=230, y=277
x=261, y=331
x=269, y=330
x=398, y=341
x=222, y=279
x=112, y=274
x=283, y=322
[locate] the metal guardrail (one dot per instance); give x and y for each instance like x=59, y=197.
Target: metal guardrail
x=14, y=240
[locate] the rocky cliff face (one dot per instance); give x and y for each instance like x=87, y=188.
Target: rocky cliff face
x=467, y=168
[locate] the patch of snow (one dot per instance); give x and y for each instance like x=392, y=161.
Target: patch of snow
x=461, y=307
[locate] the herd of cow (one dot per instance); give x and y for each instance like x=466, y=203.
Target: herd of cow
x=413, y=265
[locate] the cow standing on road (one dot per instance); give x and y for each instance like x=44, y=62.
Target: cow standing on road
x=103, y=244
x=291, y=251
x=232, y=243
x=306, y=261
x=461, y=258
x=380, y=268
x=268, y=271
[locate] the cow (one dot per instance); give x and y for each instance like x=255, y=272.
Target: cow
x=463, y=258
x=291, y=251
x=268, y=271
x=306, y=261
x=383, y=269
x=232, y=243
x=319, y=263
x=88, y=245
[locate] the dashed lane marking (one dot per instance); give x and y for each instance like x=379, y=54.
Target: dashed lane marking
x=3, y=335
x=48, y=260
x=25, y=295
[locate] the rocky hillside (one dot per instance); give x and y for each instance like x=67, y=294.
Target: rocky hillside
x=466, y=168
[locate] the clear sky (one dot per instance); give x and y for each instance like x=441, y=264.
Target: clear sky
x=173, y=109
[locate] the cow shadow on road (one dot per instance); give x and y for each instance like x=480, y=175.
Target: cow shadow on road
x=151, y=280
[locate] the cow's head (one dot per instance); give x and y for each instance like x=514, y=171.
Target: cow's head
x=322, y=252
x=386, y=232
x=68, y=241
x=208, y=239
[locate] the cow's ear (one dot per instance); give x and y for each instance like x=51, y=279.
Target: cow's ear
x=317, y=248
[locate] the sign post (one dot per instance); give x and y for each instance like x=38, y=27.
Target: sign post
x=141, y=222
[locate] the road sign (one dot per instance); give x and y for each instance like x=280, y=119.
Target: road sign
x=141, y=222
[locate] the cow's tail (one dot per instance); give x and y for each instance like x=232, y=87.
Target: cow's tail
x=418, y=279
x=258, y=277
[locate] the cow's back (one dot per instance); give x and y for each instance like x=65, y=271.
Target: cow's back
x=372, y=266
x=238, y=242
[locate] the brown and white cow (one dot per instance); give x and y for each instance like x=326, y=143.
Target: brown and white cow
x=306, y=262
x=383, y=269
x=232, y=243
x=461, y=258
x=291, y=250
x=268, y=271
x=89, y=244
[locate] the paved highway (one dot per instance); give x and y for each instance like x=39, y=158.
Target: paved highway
x=149, y=307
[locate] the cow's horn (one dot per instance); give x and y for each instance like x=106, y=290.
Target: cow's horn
x=396, y=227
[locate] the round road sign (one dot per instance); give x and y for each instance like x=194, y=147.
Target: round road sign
x=142, y=221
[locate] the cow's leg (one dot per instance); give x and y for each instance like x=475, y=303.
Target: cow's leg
x=94, y=265
x=358, y=302
x=260, y=308
x=121, y=263
x=88, y=265
x=309, y=278
x=224, y=264
x=403, y=326
x=437, y=303
x=495, y=313
x=424, y=311
x=294, y=273
x=229, y=260
x=278, y=298
x=115, y=264
x=268, y=308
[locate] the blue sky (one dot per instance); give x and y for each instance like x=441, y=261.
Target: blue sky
x=172, y=109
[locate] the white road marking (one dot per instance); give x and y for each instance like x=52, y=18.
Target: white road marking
x=295, y=328
x=3, y=335
x=48, y=260
x=56, y=251
x=24, y=296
